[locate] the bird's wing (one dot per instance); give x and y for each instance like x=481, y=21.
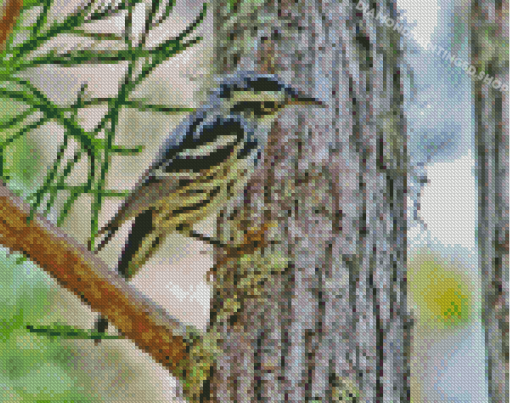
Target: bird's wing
x=202, y=150
x=143, y=240
x=147, y=192
x=145, y=189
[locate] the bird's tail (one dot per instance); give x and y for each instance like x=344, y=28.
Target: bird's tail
x=143, y=240
x=101, y=326
x=106, y=233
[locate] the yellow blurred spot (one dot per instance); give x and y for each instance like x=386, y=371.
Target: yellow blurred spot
x=438, y=291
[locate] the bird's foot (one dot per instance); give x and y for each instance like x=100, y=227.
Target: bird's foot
x=253, y=240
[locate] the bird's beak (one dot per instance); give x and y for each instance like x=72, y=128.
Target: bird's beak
x=297, y=98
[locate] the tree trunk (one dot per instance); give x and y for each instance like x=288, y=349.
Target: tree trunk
x=490, y=56
x=318, y=312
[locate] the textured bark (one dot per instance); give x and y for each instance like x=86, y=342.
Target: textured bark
x=490, y=56
x=318, y=312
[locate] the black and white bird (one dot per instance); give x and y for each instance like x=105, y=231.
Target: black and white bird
x=202, y=164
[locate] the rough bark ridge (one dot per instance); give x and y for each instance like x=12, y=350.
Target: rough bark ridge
x=489, y=41
x=318, y=312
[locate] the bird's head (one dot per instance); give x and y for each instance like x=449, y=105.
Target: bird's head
x=259, y=97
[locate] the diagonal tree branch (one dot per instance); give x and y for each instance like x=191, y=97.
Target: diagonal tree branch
x=154, y=331
x=9, y=12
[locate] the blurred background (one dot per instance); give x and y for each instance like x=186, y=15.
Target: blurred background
x=448, y=361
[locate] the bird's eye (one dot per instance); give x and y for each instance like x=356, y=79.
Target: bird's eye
x=257, y=109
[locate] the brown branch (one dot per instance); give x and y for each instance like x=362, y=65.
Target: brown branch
x=8, y=13
x=83, y=273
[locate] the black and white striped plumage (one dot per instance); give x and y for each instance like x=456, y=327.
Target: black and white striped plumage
x=184, y=185
x=204, y=162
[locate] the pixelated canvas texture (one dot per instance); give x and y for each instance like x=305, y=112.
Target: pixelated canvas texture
x=207, y=187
